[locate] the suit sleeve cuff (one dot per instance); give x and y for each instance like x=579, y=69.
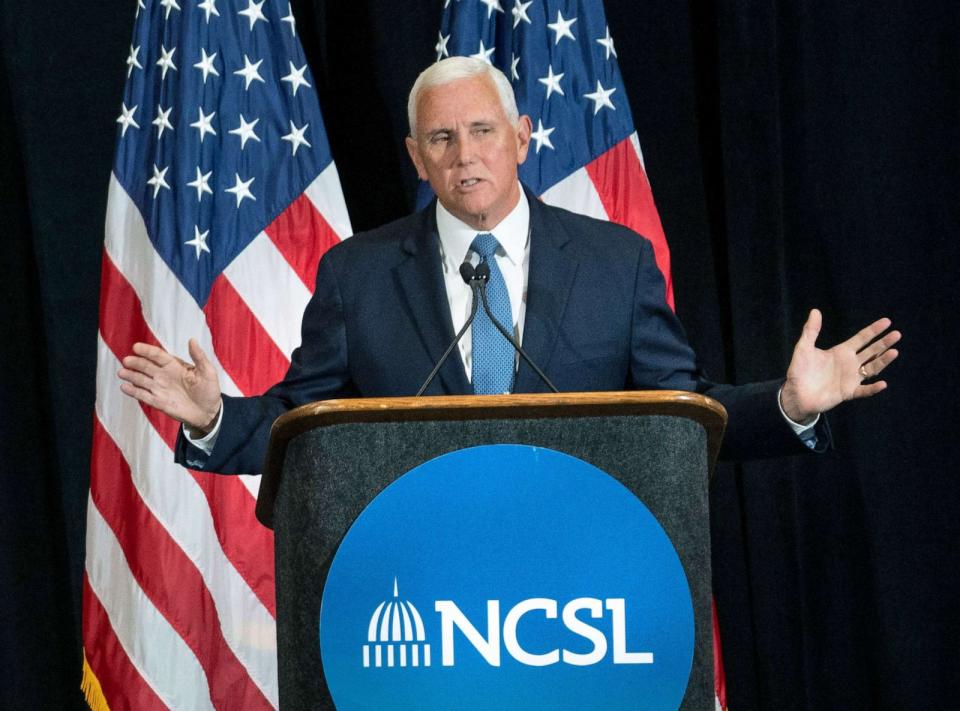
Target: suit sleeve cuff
x=806, y=433
x=206, y=443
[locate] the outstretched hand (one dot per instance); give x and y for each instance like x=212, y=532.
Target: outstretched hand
x=819, y=380
x=189, y=393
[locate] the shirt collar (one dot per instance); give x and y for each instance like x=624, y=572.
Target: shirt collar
x=456, y=236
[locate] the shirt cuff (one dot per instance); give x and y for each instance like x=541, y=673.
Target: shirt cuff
x=206, y=443
x=806, y=433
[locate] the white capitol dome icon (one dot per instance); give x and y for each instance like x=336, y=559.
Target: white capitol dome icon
x=395, y=636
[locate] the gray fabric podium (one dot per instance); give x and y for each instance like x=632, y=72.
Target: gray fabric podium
x=328, y=460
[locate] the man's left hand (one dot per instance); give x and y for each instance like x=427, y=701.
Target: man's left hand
x=819, y=380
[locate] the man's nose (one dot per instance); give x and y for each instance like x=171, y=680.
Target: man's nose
x=465, y=152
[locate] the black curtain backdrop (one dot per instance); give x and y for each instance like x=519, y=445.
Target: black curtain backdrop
x=801, y=154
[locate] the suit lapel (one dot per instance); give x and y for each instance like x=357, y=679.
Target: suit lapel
x=549, y=280
x=420, y=277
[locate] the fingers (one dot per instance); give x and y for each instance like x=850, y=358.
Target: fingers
x=153, y=398
x=155, y=354
x=876, y=356
x=811, y=329
x=151, y=359
x=198, y=356
x=879, y=346
x=137, y=378
x=141, y=365
x=148, y=374
x=144, y=396
x=872, y=368
x=139, y=370
x=869, y=390
x=865, y=336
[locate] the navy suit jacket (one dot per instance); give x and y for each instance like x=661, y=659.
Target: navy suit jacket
x=596, y=320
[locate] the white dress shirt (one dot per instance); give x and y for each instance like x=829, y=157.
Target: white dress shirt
x=513, y=259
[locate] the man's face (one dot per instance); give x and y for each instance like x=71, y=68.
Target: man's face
x=469, y=151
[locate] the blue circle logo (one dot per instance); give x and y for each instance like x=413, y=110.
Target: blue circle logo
x=507, y=577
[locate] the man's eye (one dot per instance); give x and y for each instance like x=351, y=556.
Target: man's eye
x=439, y=138
x=481, y=130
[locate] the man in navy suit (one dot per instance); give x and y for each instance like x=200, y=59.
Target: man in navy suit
x=584, y=296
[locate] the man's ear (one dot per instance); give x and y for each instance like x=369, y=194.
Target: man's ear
x=524, y=129
x=412, y=149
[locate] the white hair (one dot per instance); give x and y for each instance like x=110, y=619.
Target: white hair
x=453, y=69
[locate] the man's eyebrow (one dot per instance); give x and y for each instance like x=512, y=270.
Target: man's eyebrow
x=481, y=123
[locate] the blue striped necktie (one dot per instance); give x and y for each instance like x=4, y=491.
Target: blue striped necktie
x=492, y=353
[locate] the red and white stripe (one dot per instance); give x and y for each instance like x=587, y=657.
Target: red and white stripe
x=615, y=187
x=179, y=602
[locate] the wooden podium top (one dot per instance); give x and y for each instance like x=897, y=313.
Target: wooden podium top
x=707, y=412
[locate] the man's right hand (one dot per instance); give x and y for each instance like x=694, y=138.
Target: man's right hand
x=188, y=393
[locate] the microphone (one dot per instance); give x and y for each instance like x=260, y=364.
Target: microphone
x=467, y=273
x=469, y=276
x=482, y=275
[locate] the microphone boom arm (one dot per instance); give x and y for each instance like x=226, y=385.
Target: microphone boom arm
x=474, y=284
x=477, y=279
x=509, y=337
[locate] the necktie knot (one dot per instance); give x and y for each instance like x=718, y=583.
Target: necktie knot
x=485, y=244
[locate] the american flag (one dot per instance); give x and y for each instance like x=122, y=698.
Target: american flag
x=222, y=199
x=585, y=155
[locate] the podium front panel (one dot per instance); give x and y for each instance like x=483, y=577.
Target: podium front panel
x=332, y=473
